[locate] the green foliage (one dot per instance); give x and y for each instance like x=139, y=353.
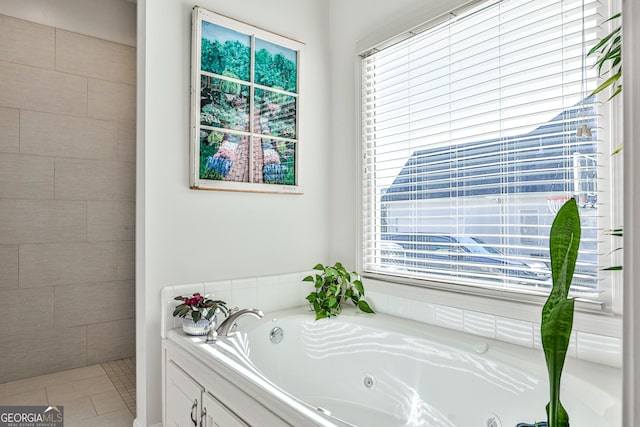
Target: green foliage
x=333, y=286
x=557, y=313
x=233, y=57
x=609, y=51
x=198, y=306
x=275, y=71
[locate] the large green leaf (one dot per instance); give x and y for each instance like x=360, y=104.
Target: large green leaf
x=556, y=333
x=557, y=313
x=564, y=241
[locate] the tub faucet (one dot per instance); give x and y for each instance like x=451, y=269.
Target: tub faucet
x=225, y=327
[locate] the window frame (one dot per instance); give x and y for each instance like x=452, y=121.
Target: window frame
x=612, y=302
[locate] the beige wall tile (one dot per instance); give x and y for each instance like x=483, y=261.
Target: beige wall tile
x=89, y=56
x=78, y=389
x=26, y=177
x=42, y=352
x=40, y=221
x=33, y=397
x=111, y=340
x=108, y=401
x=26, y=43
x=94, y=180
x=66, y=263
x=126, y=260
x=116, y=303
x=9, y=267
x=9, y=130
x=111, y=220
x=127, y=142
x=112, y=101
x=38, y=89
x=63, y=377
x=67, y=136
x=13, y=318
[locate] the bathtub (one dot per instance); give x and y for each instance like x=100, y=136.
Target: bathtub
x=379, y=370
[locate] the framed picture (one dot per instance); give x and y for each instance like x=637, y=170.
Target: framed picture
x=245, y=104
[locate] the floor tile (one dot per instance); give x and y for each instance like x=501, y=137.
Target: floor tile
x=96, y=396
x=77, y=409
x=78, y=388
x=58, y=378
x=108, y=401
x=32, y=397
x=122, y=418
x=123, y=375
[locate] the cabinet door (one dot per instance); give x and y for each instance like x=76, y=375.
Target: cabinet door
x=183, y=398
x=215, y=414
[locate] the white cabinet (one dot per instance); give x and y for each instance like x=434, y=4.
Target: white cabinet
x=215, y=414
x=184, y=398
x=188, y=405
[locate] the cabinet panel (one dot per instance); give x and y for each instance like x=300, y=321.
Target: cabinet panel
x=215, y=414
x=183, y=398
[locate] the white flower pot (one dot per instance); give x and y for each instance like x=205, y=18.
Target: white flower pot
x=197, y=328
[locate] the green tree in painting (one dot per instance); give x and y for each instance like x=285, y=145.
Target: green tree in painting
x=275, y=71
x=232, y=57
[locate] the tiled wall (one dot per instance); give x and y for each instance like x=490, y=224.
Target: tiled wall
x=287, y=290
x=67, y=199
x=267, y=293
x=583, y=345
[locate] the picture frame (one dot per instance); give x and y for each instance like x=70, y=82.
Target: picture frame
x=245, y=107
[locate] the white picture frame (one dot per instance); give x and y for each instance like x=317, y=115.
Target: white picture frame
x=245, y=107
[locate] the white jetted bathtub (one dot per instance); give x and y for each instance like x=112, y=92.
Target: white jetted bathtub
x=379, y=370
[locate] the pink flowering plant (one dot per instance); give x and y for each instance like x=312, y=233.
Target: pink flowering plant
x=199, y=307
x=225, y=153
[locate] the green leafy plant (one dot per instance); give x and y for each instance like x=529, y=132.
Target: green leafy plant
x=557, y=313
x=609, y=51
x=198, y=307
x=333, y=286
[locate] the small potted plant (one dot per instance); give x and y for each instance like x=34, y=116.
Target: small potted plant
x=334, y=286
x=198, y=312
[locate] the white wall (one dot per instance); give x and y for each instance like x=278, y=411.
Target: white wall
x=193, y=236
x=631, y=64
x=113, y=20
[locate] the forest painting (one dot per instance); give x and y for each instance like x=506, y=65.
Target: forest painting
x=276, y=66
x=246, y=108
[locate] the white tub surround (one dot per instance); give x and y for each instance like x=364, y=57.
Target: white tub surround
x=372, y=370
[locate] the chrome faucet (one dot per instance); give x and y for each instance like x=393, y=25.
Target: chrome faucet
x=225, y=327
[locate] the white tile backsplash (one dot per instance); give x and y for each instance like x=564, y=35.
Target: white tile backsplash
x=450, y=317
x=219, y=290
x=277, y=292
x=514, y=331
x=267, y=292
x=481, y=324
x=423, y=311
x=599, y=349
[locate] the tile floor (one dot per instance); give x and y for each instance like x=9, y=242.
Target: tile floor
x=100, y=395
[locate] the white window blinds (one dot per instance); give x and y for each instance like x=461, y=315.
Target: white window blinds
x=470, y=146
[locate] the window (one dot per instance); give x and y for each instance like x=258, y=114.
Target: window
x=475, y=130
